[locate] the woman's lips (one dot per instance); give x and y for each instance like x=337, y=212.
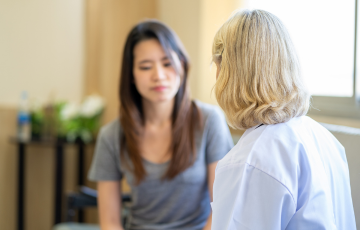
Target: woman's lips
x=159, y=88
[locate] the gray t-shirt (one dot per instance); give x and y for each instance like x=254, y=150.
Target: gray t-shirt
x=181, y=203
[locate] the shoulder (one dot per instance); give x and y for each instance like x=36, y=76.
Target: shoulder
x=216, y=138
x=284, y=151
x=272, y=149
x=209, y=112
x=276, y=148
x=111, y=132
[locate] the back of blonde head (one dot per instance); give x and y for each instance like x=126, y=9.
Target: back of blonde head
x=259, y=80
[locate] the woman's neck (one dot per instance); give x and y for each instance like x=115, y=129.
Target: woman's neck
x=158, y=113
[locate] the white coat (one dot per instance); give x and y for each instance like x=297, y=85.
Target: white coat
x=291, y=175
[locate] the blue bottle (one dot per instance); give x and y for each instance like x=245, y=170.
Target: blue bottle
x=23, y=119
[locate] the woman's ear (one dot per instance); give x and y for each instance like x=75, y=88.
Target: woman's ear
x=217, y=70
x=218, y=65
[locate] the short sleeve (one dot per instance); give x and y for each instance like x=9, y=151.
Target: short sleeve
x=218, y=139
x=105, y=164
x=247, y=198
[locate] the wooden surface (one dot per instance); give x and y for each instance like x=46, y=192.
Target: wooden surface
x=107, y=25
x=8, y=173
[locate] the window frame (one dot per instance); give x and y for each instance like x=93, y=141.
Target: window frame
x=345, y=107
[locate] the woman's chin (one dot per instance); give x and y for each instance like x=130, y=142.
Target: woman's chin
x=162, y=100
x=159, y=99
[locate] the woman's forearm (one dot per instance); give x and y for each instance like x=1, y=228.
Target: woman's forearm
x=211, y=178
x=109, y=205
x=113, y=227
x=208, y=223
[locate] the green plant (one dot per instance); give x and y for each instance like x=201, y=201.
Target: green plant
x=80, y=121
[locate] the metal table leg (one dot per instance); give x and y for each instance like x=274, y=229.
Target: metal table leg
x=59, y=181
x=81, y=158
x=21, y=186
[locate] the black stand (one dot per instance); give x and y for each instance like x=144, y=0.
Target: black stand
x=21, y=187
x=81, y=160
x=59, y=165
x=59, y=162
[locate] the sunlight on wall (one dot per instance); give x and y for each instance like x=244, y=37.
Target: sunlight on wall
x=41, y=50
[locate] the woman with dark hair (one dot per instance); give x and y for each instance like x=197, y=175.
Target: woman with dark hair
x=166, y=145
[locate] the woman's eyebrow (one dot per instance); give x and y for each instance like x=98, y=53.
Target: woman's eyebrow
x=150, y=61
x=144, y=61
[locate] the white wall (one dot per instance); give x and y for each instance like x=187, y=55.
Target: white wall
x=41, y=49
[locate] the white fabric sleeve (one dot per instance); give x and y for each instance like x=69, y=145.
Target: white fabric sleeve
x=248, y=198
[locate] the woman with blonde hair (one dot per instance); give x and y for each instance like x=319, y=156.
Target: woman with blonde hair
x=286, y=171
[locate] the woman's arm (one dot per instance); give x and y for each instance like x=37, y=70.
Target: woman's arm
x=109, y=203
x=211, y=178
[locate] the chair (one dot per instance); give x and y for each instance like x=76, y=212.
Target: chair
x=86, y=198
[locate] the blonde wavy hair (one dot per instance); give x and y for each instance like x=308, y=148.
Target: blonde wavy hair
x=259, y=80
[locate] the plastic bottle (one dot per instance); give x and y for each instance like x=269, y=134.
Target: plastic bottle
x=24, y=125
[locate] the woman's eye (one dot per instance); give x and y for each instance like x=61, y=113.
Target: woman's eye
x=168, y=64
x=144, y=67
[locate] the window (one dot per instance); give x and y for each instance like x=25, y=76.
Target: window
x=324, y=35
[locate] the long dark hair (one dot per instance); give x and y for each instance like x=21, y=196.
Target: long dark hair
x=185, y=116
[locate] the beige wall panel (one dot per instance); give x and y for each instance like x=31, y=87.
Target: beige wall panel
x=70, y=168
x=92, y=44
x=108, y=23
x=184, y=17
x=196, y=23
x=213, y=14
x=39, y=189
x=91, y=214
x=8, y=169
x=41, y=46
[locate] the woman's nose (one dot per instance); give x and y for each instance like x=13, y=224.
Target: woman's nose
x=159, y=73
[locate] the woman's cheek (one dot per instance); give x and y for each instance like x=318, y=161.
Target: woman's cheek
x=139, y=86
